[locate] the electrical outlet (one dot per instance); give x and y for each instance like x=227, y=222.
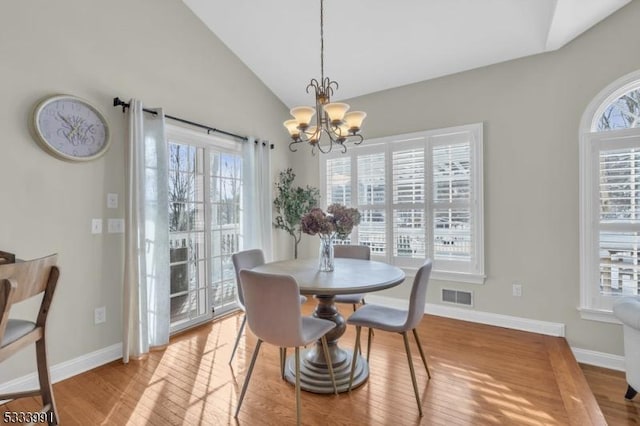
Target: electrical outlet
x=517, y=290
x=115, y=226
x=112, y=200
x=100, y=315
x=96, y=226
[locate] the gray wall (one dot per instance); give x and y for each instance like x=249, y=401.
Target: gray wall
x=157, y=51
x=531, y=109
x=153, y=50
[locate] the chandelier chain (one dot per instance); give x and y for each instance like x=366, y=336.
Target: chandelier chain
x=321, y=40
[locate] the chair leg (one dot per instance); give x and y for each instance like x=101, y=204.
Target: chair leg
x=246, y=380
x=327, y=358
x=424, y=359
x=364, y=303
x=298, y=385
x=235, y=346
x=631, y=393
x=413, y=373
x=369, y=343
x=46, y=391
x=354, y=356
x=283, y=360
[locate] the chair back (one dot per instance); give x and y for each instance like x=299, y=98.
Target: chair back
x=6, y=257
x=23, y=280
x=418, y=296
x=272, y=306
x=352, y=251
x=247, y=259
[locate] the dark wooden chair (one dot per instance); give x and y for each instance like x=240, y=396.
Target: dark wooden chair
x=18, y=282
x=6, y=257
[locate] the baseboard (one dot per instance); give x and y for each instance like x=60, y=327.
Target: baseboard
x=464, y=314
x=66, y=369
x=599, y=359
x=584, y=356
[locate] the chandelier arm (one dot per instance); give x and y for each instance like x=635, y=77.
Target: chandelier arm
x=294, y=142
x=322, y=150
x=359, y=136
x=313, y=84
x=331, y=142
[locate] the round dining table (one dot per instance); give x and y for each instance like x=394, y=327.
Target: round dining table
x=348, y=277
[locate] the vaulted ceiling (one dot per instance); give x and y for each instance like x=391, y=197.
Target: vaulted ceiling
x=373, y=45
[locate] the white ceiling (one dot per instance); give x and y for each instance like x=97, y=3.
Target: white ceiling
x=372, y=45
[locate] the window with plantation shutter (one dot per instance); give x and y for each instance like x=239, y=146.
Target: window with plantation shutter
x=610, y=199
x=451, y=200
x=408, y=183
x=370, y=184
x=338, y=182
x=615, y=240
x=619, y=237
x=420, y=196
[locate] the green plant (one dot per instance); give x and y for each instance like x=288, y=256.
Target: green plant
x=291, y=203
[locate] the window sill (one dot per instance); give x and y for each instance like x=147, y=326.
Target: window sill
x=460, y=277
x=601, y=315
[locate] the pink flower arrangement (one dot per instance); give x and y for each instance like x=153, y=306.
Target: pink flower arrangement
x=338, y=221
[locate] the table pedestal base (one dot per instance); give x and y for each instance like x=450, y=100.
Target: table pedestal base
x=314, y=374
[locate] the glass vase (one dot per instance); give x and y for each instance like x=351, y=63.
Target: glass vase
x=326, y=254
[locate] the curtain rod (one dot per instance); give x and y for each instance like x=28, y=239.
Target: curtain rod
x=119, y=102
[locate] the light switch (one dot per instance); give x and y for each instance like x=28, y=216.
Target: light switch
x=115, y=226
x=96, y=226
x=112, y=200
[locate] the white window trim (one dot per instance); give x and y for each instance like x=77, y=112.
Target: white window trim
x=589, y=292
x=202, y=140
x=476, y=203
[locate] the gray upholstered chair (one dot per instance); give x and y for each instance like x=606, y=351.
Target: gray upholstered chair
x=627, y=310
x=274, y=315
x=397, y=321
x=351, y=252
x=20, y=281
x=247, y=259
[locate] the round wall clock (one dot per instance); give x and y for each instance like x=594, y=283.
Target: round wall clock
x=70, y=128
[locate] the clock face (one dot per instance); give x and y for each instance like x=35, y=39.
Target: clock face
x=70, y=128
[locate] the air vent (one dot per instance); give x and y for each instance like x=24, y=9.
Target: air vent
x=458, y=297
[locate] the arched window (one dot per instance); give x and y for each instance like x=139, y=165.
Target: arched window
x=623, y=113
x=610, y=198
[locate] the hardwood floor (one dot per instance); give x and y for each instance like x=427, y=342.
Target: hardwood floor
x=609, y=387
x=481, y=375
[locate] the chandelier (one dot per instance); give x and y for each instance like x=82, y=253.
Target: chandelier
x=331, y=118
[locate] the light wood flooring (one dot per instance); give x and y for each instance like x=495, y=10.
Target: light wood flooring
x=481, y=375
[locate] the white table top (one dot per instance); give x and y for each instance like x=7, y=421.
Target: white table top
x=349, y=276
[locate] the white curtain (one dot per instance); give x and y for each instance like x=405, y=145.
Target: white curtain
x=146, y=270
x=257, y=217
